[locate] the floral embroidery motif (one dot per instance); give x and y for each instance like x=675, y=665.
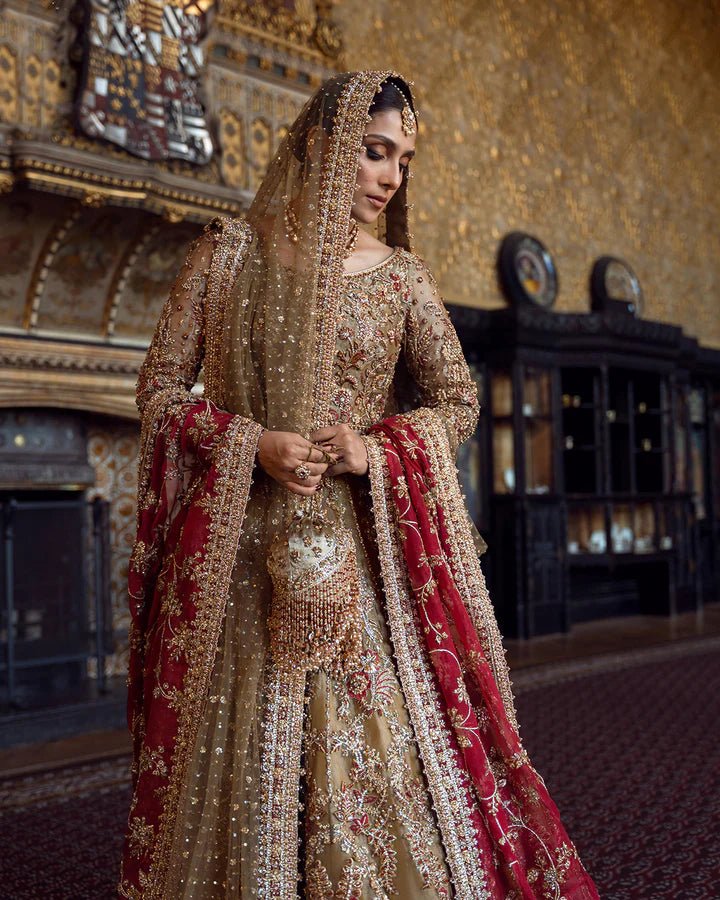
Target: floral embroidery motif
x=140, y=836
x=392, y=308
x=365, y=795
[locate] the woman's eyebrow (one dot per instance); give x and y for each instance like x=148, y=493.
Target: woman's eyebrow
x=389, y=142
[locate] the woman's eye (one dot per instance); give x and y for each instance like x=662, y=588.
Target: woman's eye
x=373, y=154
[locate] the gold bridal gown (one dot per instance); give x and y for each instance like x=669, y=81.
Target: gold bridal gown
x=380, y=758
x=365, y=821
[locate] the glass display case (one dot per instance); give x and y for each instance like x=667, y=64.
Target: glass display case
x=503, y=432
x=537, y=414
x=698, y=450
x=598, y=461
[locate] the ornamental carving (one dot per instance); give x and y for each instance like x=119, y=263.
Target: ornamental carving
x=298, y=22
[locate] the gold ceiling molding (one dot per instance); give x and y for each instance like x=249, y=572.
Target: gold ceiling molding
x=96, y=181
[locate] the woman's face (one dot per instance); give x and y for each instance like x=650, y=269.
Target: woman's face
x=385, y=154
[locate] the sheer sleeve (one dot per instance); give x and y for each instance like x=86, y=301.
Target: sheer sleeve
x=171, y=367
x=435, y=358
x=174, y=358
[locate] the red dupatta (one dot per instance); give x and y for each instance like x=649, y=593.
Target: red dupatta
x=515, y=821
x=190, y=509
x=195, y=475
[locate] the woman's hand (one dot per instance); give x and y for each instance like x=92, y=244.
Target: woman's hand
x=281, y=452
x=347, y=445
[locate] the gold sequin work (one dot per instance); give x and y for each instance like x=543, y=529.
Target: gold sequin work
x=367, y=824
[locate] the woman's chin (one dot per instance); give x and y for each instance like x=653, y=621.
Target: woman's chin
x=366, y=216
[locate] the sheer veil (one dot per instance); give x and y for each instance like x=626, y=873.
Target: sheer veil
x=278, y=351
x=280, y=340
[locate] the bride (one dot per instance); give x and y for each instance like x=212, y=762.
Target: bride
x=318, y=694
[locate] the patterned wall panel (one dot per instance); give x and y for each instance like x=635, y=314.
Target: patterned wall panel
x=592, y=125
x=37, y=74
x=100, y=273
x=27, y=219
x=233, y=162
x=82, y=268
x=112, y=451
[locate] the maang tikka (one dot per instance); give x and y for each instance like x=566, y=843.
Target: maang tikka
x=409, y=122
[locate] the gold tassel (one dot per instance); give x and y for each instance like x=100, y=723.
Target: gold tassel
x=315, y=613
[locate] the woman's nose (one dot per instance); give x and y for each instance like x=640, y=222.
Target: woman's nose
x=393, y=178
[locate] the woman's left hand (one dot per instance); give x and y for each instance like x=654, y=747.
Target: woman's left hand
x=348, y=445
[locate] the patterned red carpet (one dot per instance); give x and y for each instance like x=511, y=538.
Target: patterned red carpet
x=628, y=746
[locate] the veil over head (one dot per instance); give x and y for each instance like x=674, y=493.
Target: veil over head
x=280, y=324
x=278, y=350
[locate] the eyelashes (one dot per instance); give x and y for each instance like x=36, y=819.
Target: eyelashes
x=376, y=157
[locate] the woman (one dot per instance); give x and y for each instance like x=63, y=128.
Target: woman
x=318, y=694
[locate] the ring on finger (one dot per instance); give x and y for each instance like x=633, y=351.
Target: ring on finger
x=302, y=472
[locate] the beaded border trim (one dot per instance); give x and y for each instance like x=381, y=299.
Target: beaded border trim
x=448, y=787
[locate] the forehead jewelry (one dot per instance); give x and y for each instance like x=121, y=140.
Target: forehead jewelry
x=409, y=122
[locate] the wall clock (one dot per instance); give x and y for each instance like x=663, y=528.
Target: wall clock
x=526, y=271
x=614, y=285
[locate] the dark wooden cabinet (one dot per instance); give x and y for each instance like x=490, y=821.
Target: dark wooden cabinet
x=594, y=472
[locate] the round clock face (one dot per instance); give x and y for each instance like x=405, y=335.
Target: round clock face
x=533, y=275
x=613, y=281
x=527, y=272
x=622, y=284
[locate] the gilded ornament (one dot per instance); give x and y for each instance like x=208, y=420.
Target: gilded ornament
x=409, y=122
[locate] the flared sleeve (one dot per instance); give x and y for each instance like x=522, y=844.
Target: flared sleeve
x=435, y=358
x=175, y=355
x=195, y=473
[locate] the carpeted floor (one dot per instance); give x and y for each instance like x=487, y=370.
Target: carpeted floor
x=627, y=743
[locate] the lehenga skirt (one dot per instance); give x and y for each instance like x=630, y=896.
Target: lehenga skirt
x=365, y=819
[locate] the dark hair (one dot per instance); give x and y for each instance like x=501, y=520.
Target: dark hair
x=393, y=94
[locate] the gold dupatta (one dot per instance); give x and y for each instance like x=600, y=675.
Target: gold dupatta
x=278, y=346
x=260, y=314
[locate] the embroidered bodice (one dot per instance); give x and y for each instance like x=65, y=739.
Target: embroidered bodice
x=390, y=308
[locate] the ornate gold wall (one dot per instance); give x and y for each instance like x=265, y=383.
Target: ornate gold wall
x=592, y=125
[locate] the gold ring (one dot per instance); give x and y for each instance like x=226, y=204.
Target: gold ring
x=302, y=472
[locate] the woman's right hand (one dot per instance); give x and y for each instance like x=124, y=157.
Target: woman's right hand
x=281, y=452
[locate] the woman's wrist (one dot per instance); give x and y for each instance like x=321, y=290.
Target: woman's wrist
x=263, y=432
